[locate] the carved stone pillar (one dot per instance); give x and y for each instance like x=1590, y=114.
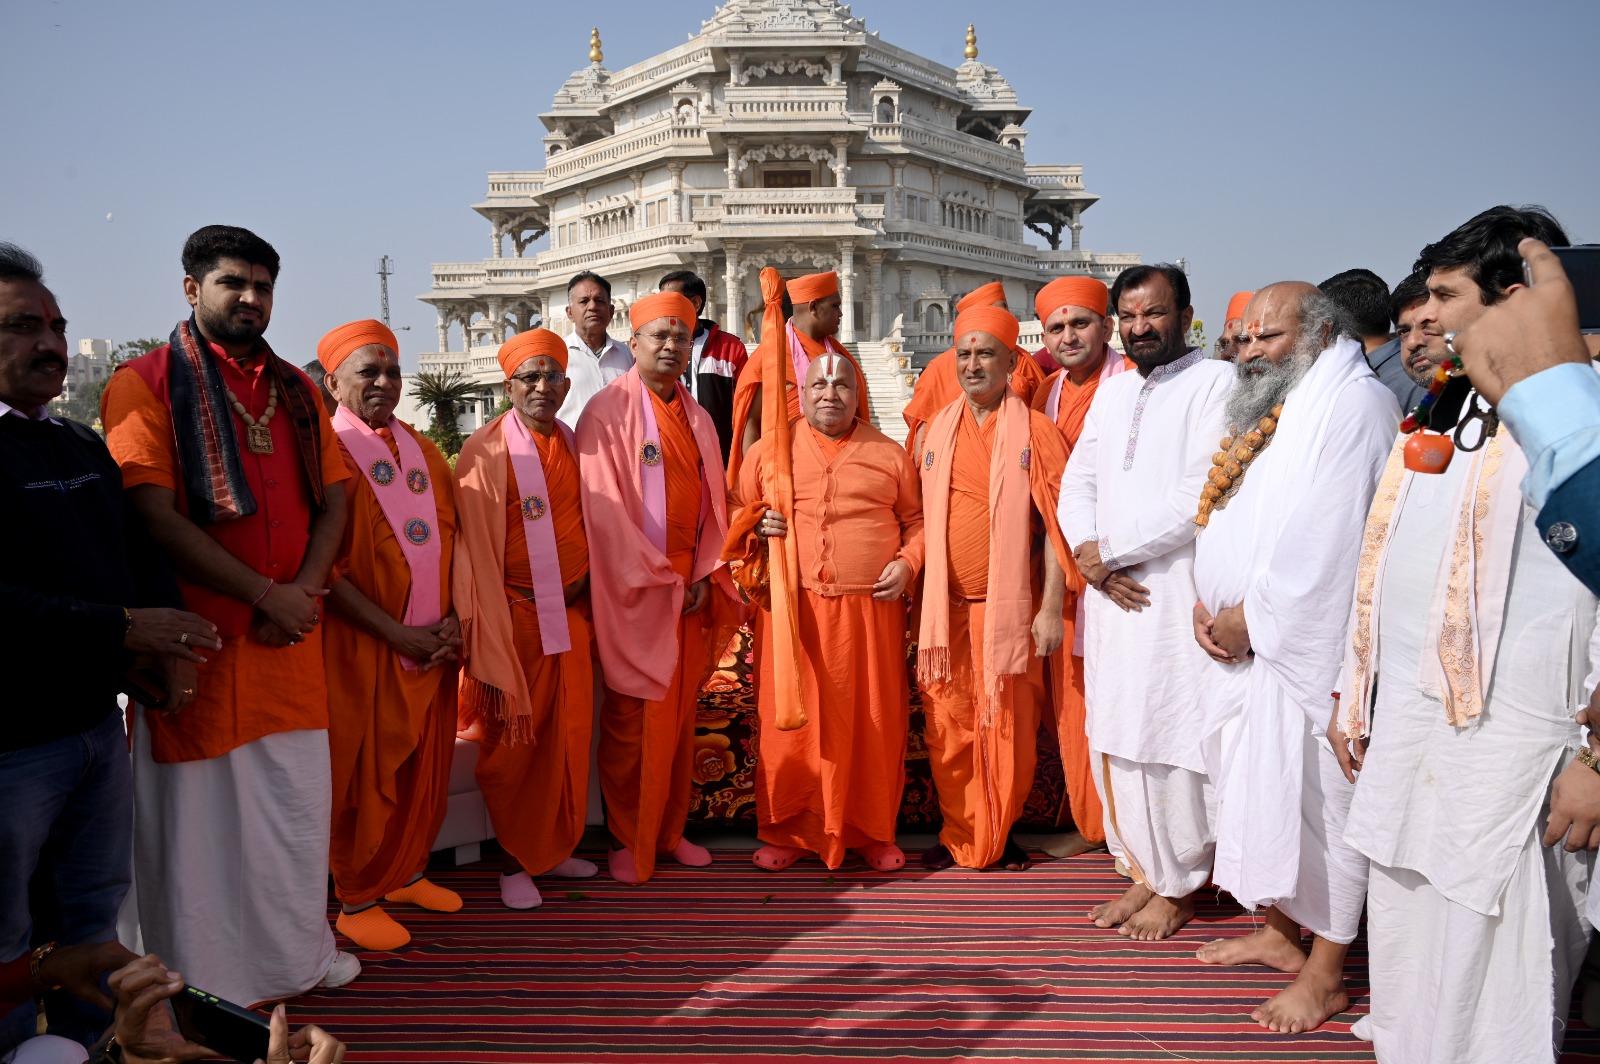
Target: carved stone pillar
x=897, y=197
x=497, y=320
x=836, y=68
x=875, y=279
x=496, y=236
x=676, y=211
x=1077, y=231
x=733, y=164
x=444, y=329
x=638, y=201
x=841, y=161
x=847, y=291
x=731, y=281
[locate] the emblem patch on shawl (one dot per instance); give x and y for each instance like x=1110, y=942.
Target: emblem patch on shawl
x=533, y=508
x=418, y=532
x=382, y=473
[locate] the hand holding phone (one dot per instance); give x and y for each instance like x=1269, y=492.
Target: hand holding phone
x=1531, y=329
x=233, y=1031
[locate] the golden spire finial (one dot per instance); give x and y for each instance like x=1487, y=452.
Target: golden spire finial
x=595, y=54
x=972, y=42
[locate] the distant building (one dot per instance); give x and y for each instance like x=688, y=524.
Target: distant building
x=87, y=372
x=783, y=134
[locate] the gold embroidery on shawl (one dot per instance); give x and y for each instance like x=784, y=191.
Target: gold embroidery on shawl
x=1374, y=542
x=1459, y=653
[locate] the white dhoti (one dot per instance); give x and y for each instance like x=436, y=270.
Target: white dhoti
x=1453, y=986
x=1158, y=822
x=230, y=863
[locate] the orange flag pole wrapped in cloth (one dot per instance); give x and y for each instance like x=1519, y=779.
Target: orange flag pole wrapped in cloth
x=777, y=491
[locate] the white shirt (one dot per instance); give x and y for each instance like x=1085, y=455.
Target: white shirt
x=1133, y=483
x=589, y=371
x=38, y=414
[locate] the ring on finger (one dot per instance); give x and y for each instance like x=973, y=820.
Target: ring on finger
x=183, y=639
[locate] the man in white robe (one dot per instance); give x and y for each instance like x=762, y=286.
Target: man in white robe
x=1128, y=507
x=1469, y=654
x=1274, y=567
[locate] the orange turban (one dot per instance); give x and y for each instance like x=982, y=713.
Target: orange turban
x=812, y=287
x=1236, y=305
x=996, y=321
x=531, y=344
x=1085, y=292
x=983, y=296
x=350, y=337
x=647, y=309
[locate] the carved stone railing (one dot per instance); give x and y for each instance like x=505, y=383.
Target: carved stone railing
x=790, y=103
x=458, y=275
x=1045, y=176
x=657, y=134
x=1104, y=265
x=914, y=132
x=663, y=68
x=515, y=184
x=562, y=262
x=747, y=209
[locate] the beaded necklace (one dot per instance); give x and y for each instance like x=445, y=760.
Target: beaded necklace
x=257, y=433
x=1230, y=462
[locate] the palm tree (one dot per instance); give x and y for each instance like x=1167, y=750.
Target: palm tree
x=441, y=393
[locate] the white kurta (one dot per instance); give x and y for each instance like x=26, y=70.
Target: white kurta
x=1474, y=927
x=1286, y=547
x=255, y=927
x=1133, y=483
x=589, y=371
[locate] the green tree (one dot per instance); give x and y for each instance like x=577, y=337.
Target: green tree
x=129, y=350
x=442, y=393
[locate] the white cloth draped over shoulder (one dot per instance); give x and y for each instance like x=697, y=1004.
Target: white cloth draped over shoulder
x=1285, y=546
x=1132, y=484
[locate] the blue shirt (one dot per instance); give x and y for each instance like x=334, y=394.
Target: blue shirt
x=1390, y=366
x=1555, y=416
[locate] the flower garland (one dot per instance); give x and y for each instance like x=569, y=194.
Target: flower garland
x=1441, y=376
x=1229, y=463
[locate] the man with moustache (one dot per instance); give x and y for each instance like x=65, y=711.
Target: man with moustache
x=1309, y=428
x=1469, y=652
x=1232, y=322
x=230, y=459
x=1077, y=327
x=594, y=357
x=1422, y=346
x=1126, y=502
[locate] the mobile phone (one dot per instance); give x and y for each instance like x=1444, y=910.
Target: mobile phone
x=1582, y=265
x=221, y=1026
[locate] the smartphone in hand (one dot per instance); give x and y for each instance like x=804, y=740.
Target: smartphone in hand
x=231, y=1030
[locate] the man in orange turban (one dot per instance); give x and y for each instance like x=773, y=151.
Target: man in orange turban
x=830, y=775
x=808, y=335
x=655, y=509
x=1232, y=325
x=522, y=590
x=937, y=386
x=991, y=470
x=1072, y=311
x=390, y=644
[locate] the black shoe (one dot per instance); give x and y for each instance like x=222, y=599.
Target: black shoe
x=937, y=857
x=1013, y=858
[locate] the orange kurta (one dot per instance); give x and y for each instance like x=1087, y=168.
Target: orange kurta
x=744, y=395
x=937, y=387
x=835, y=784
x=983, y=774
x=247, y=690
x=391, y=730
x=647, y=746
x=538, y=791
x=1065, y=675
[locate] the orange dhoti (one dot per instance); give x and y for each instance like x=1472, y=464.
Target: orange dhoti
x=1065, y=679
x=835, y=784
x=982, y=761
x=537, y=791
x=647, y=750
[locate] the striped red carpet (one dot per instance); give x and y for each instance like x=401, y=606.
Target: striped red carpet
x=733, y=964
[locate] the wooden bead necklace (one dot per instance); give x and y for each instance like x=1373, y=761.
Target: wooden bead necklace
x=257, y=433
x=1230, y=462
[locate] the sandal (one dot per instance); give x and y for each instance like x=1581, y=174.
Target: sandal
x=776, y=858
x=883, y=856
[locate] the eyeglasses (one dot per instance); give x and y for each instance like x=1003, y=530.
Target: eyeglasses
x=533, y=380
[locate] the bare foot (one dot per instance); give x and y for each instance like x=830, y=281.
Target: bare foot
x=1304, y=1005
x=1267, y=946
x=1159, y=919
x=1113, y=913
x=1069, y=845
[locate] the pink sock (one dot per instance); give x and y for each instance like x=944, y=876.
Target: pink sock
x=519, y=892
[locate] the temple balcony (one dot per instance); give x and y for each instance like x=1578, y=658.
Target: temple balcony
x=915, y=136
x=744, y=213
x=626, y=151
x=760, y=109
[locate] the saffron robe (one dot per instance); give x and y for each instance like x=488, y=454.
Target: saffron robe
x=982, y=751
x=651, y=684
x=1067, y=404
x=836, y=783
x=937, y=387
x=744, y=395
x=1285, y=547
x=391, y=730
x=1133, y=484
x=534, y=775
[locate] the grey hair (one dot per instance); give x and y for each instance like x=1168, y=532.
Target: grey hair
x=19, y=265
x=1322, y=316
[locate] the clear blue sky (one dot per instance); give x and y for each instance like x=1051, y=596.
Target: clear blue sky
x=1261, y=141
